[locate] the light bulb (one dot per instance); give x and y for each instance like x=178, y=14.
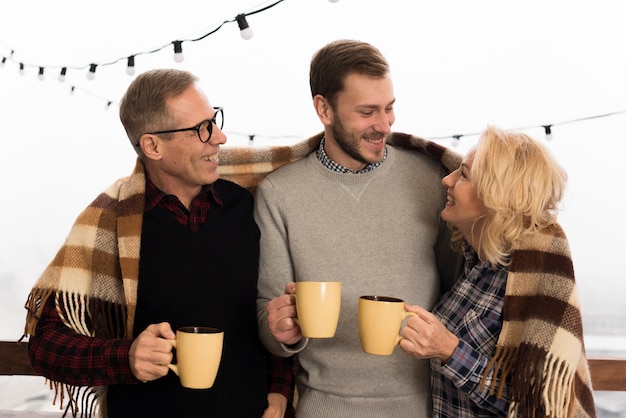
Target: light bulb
x=456, y=139
x=178, y=51
x=130, y=68
x=4, y=59
x=246, y=32
x=40, y=74
x=62, y=74
x=548, y=130
x=92, y=72
x=21, y=68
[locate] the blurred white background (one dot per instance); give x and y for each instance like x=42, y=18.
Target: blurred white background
x=457, y=66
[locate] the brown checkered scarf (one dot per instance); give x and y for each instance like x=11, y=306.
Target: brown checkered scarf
x=94, y=275
x=94, y=278
x=248, y=166
x=541, y=346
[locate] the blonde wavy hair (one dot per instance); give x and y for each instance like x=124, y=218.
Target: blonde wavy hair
x=521, y=185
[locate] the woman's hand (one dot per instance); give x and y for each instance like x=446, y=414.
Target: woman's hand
x=425, y=336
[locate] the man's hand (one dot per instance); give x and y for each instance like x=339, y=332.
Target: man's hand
x=281, y=312
x=277, y=406
x=151, y=352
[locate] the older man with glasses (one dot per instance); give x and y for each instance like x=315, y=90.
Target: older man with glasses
x=171, y=245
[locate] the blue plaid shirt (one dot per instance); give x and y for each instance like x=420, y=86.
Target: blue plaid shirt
x=331, y=165
x=472, y=310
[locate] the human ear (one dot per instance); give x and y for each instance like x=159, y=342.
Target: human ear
x=323, y=109
x=151, y=147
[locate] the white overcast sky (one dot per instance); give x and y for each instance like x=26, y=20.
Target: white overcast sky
x=457, y=65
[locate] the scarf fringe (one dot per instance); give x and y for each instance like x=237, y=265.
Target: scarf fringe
x=108, y=319
x=34, y=305
x=498, y=369
x=82, y=402
x=77, y=311
x=74, y=311
x=539, y=382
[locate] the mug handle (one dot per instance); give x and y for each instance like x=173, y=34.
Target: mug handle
x=405, y=315
x=173, y=367
x=295, y=318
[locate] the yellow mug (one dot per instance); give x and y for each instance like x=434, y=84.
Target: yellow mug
x=380, y=321
x=318, y=305
x=198, y=356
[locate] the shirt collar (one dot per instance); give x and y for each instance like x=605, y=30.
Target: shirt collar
x=331, y=165
x=154, y=195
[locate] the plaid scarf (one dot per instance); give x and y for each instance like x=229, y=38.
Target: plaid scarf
x=95, y=273
x=541, y=347
x=94, y=277
x=248, y=166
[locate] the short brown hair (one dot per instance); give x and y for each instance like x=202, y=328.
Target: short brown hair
x=143, y=107
x=338, y=59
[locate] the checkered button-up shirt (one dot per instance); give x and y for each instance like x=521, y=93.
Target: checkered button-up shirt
x=472, y=310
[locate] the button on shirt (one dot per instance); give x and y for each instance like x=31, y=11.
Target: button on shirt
x=472, y=310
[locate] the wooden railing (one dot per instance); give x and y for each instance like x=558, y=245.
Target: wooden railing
x=14, y=359
x=606, y=373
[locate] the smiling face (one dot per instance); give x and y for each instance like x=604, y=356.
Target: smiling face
x=179, y=163
x=464, y=209
x=358, y=126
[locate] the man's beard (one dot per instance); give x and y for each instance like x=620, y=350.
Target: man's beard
x=349, y=142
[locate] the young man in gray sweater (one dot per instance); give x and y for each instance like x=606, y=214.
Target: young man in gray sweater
x=360, y=212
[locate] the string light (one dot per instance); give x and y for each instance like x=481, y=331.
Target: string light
x=92, y=71
x=245, y=31
x=40, y=75
x=548, y=131
x=130, y=66
x=178, y=51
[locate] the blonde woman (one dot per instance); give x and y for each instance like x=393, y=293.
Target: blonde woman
x=507, y=339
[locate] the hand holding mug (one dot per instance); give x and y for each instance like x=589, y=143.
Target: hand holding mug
x=151, y=351
x=281, y=314
x=425, y=336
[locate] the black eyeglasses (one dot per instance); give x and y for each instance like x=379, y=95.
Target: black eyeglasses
x=204, y=129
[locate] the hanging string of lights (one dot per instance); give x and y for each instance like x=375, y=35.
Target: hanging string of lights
x=246, y=33
x=177, y=45
x=456, y=138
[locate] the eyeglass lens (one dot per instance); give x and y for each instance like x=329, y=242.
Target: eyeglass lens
x=206, y=128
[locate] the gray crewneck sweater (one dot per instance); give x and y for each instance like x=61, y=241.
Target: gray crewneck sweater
x=375, y=232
